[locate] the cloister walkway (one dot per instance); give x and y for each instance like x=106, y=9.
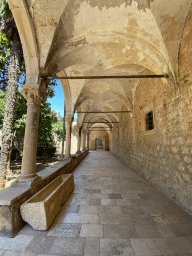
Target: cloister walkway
x=113, y=211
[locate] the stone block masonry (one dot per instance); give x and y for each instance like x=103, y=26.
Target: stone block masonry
x=12, y=198
x=162, y=155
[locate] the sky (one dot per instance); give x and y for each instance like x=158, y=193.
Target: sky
x=57, y=102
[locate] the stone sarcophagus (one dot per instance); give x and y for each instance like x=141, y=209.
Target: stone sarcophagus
x=41, y=209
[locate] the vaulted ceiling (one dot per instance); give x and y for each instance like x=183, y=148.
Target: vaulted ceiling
x=124, y=37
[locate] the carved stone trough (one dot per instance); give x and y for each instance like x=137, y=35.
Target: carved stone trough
x=41, y=209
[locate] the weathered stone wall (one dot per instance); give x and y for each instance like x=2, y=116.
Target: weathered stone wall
x=98, y=135
x=163, y=155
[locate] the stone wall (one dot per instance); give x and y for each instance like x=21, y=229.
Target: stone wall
x=162, y=155
x=103, y=135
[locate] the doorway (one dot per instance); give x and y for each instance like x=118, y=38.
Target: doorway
x=99, y=144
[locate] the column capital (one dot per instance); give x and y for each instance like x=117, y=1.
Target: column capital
x=34, y=93
x=69, y=119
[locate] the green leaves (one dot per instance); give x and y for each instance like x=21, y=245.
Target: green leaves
x=57, y=128
x=4, y=9
x=5, y=52
x=46, y=119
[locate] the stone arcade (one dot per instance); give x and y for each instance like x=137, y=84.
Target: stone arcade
x=145, y=122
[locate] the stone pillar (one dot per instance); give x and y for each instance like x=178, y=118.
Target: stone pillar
x=87, y=144
x=34, y=94
x=83, y=132
x=68, y=120
x=78, y=141
x=104, y=144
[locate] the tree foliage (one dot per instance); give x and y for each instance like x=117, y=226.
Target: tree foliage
x=46, y=119
x=8, y=33
x=57, y=128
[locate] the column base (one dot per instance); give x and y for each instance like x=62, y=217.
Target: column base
x=78, y=153
x=26, y=180
x=67, y=158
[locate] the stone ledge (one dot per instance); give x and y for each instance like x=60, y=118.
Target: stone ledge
x=11, y=198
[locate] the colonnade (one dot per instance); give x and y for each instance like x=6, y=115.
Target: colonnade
x=35, y=95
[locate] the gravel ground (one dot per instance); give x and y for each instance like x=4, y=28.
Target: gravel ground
x=16, y=167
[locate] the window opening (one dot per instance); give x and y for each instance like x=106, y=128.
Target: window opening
x=149, y=121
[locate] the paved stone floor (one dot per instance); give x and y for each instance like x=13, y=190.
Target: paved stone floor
x=113, y=211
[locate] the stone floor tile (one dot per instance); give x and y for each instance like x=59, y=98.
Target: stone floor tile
x=135, y=209
x=141, y=205
x=94, y=209
x=165, y=230
x=95, y=201
x=153, y=196
x=163, y=208
x=115, y=196
x=92, y=247
x=40, y=244
x=123, y=202
x=90, y=196
x=189, y=238
x=109, y=219
x=145, y=247
x=15, y=253
x=173, y=218
x=115, y=210
x=65, y=230
x=91, y=230
x=106, y=191
x=72, y=208
x=119, y=231
x=159, y=218
x=47, y=255
x=130, y=196
x=88, y=209
x=81, y=218
x=143, y=219
x=110, y=247
x=147, y=231
x=173, y=245
x=108, y=202
x=138, y=201
x=68, y=246
x=105, y=178
x=18, y=243
x=28, y=230
x=181, y=229
x=90, y=191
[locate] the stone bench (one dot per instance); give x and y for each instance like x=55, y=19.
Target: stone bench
x=41, y=209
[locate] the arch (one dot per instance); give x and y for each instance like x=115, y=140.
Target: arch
x=67, y=94
x=185, y=51
x=27, y=35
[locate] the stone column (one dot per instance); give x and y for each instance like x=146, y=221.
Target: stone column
x=35, y=95
x=78, y=141
x=95, y=144
x=83, y=139
x=68, y=121
x=87, y=145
